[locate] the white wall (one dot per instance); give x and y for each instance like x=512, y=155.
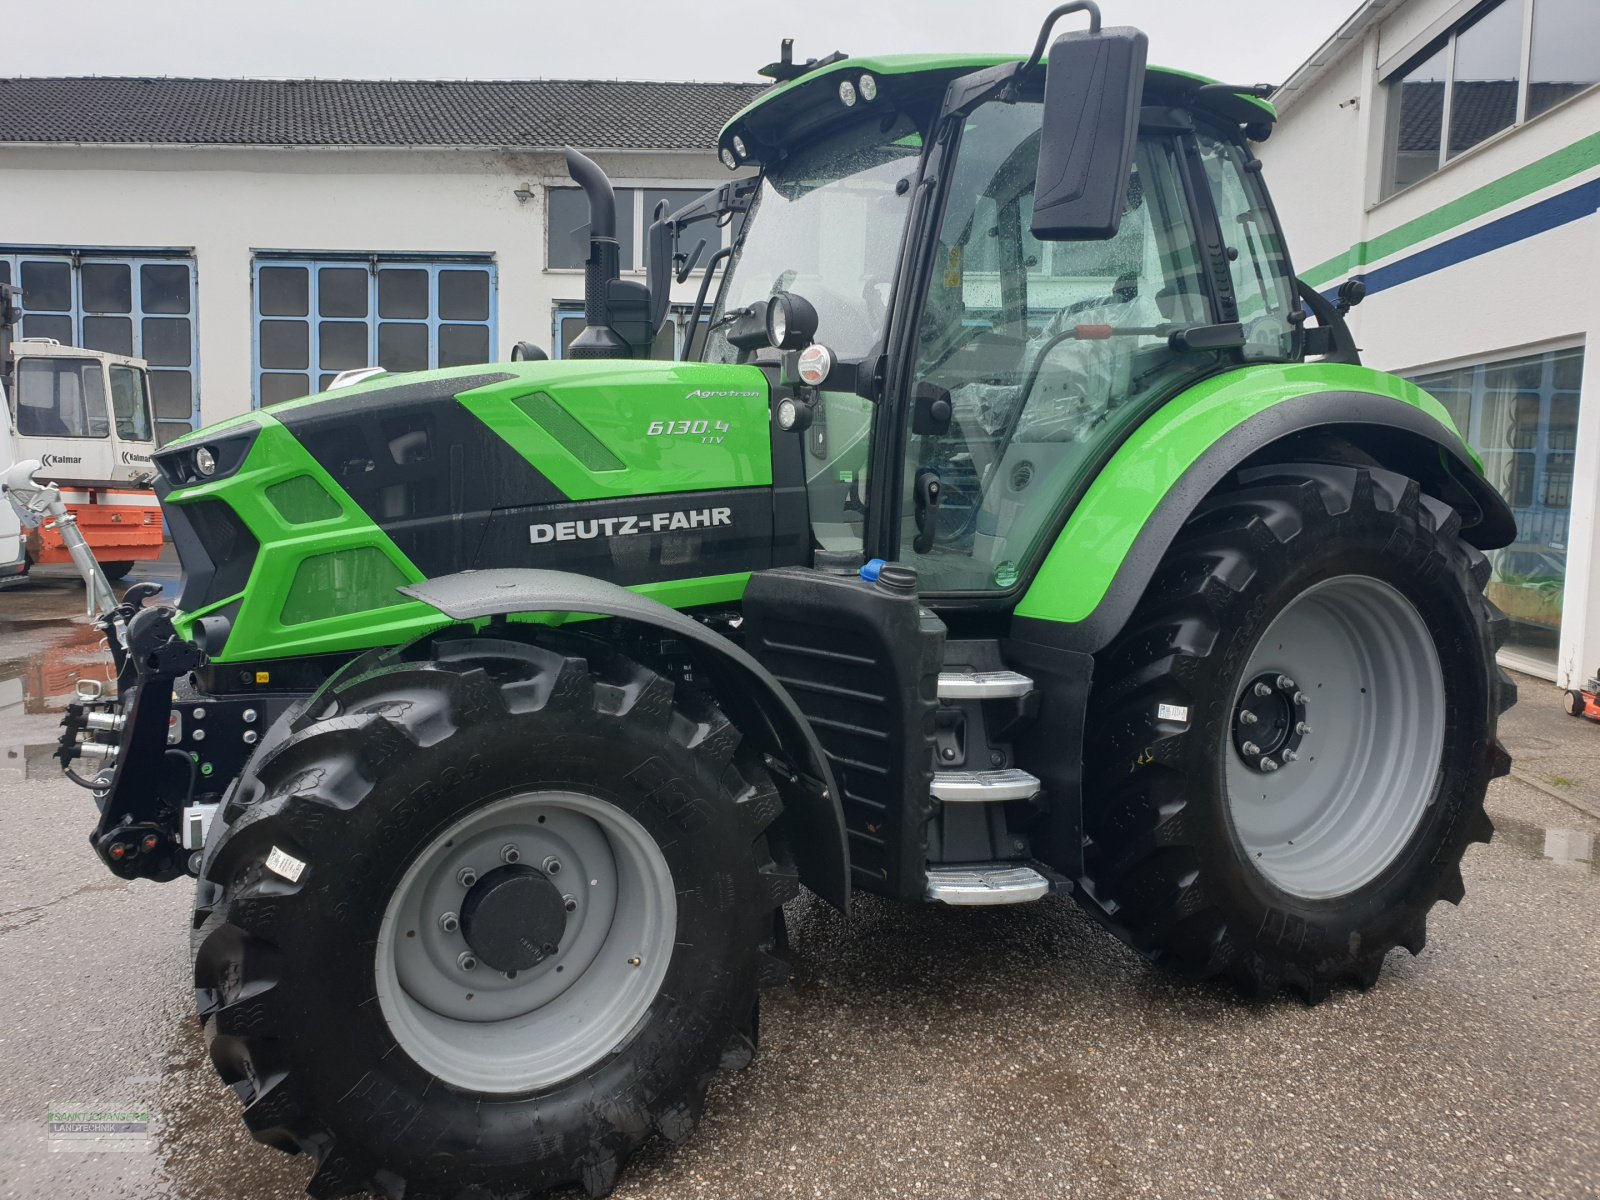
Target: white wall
x=227, y=203
x=1323, y=163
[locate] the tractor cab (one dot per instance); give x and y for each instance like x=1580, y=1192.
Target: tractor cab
x=84, y=414
x=971, y=278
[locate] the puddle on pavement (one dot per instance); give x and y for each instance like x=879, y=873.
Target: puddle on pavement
x=1565, y=849
x=46, y=646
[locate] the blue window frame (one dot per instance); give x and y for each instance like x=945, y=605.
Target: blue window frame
x=314, y=316
x=136, y=302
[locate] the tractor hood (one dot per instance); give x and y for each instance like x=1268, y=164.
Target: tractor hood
x=296, y=524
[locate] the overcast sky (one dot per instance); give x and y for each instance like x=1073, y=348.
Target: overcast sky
x=1239, y=41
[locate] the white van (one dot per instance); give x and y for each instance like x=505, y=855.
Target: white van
x=13, y=558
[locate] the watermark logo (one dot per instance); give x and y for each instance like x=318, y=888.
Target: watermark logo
x=73, y=1127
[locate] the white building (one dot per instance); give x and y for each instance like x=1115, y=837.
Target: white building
x=1448, y=153
x=253, y=238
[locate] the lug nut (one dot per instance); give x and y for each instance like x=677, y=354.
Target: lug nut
x=1269, y=764
x=552, y=865
x=1250, y=748
x=569, y=903
x=1290, y=756
x=1285, y=684
x=1248, y=718
x=449, y=922
x=467, y=962
x=1263, y=690
x=466, y=877
x=509, y=853
x=1301, y=698
x=1302, y=728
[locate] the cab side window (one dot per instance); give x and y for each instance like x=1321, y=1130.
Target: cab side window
x=61, y=397
x=1259, y=264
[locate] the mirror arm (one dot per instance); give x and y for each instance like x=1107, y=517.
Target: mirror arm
x=1088, y=6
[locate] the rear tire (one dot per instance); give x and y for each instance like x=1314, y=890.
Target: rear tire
x=327, y=1004
x=115, y=571
x=1348, y=598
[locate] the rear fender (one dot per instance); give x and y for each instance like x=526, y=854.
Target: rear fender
x=1103, y=559
x=750, y=696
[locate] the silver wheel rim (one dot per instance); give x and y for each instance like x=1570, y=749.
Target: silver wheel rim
x=488, y=1031
x=1367, y=696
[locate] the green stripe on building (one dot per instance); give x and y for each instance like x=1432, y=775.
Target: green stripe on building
x=1536, y=176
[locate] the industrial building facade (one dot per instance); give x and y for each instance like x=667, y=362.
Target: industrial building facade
x=1447, y=153
x=253, y=238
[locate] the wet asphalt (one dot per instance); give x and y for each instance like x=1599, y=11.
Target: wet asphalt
x=920, y=1051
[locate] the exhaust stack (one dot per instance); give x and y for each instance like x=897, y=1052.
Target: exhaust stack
x=616, y=312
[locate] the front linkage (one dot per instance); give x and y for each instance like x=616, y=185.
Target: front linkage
x=160, y=753
x=124, y=741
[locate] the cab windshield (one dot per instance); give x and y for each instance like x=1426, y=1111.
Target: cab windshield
x=826, y=224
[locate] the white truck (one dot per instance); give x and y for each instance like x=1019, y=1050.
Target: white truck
x=85, y=416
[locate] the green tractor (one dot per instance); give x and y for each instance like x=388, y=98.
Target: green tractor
x=1026, y=528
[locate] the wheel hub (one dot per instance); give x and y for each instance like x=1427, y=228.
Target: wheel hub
x=1269, y=722
x=513, y=917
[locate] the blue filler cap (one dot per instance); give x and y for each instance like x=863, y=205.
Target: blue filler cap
x=869, y=572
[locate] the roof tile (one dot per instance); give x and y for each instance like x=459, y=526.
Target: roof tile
x=603, y=114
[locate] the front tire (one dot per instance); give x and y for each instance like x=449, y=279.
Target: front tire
x=1290, y=742
x=609, y=835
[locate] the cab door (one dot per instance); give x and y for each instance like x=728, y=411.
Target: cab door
x=132, y=425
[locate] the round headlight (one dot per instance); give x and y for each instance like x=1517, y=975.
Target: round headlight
x=847, y=92
x=788, y=414
x=728, y=160
x=868, y=86
x=739, y=146
x=205, y=462
x=816, y=360
x=791, y=321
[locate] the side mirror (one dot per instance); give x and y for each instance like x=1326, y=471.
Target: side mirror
x=527, y=352
x=1093, y=88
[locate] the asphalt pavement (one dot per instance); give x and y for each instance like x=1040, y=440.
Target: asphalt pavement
x=920, y=1051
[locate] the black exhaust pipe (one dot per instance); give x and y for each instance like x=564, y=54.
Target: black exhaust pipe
x=602, y=270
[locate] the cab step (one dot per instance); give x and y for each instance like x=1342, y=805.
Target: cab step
x=986, y=883
x=969, y=683
x=983, y=787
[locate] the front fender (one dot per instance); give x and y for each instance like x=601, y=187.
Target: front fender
x=1104, y=557
x=754, y=700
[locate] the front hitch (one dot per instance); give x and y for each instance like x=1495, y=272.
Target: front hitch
x=123, y=742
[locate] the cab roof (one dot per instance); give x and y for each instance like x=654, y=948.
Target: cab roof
x=791, y=111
